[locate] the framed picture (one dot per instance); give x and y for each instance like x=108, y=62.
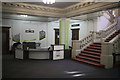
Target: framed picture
x=41, y=35
x=16, y=37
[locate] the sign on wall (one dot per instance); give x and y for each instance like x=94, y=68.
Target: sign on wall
x=41, y=35
x=75, y=25
x=16, y=37
x=29, y=31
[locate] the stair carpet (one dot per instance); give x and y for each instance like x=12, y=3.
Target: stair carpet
x=90, y=55
x=112, y=36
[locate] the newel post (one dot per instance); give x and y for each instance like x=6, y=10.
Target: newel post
x=106, y=57
x=75, y=48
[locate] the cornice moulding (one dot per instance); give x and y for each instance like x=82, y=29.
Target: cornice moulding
x=77, y=9
x=93, y=8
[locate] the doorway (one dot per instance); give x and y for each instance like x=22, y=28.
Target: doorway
x=5, y=40
x=56, y=36
x=75, y=34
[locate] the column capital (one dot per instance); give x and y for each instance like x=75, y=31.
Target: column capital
x=63, y=19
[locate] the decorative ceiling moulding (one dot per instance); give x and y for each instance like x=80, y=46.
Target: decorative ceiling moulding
x=77, y=9
x=88, y=7
x=23, y=8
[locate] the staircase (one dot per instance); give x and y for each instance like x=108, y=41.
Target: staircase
x=112, y=36
x=90, y=55
x=90, y=52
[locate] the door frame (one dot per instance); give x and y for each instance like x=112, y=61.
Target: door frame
x=55, y=34
x=76, y=29
x=7, y=29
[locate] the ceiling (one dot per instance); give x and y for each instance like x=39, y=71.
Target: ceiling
x=28, y=18
x=55, y=5
x=49, y=19
x=88, y=16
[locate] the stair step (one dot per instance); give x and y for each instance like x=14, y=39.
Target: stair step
x=90, y=55
x=88, y=58
x=88, y=62
x=112, y=36
x=92, y=50
x=109, y=38
x=106, y=41
x=92, y=47
x=95, y=45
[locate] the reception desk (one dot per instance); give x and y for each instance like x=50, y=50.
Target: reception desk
x=42, y=53
x=55, y=53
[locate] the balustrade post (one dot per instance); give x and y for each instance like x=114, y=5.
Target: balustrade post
x=93, y=37
x=101, y=36
x=106, y=57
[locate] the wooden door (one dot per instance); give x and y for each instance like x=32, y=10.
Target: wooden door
x=56, y=36
x=75, y=34
x=5, y=40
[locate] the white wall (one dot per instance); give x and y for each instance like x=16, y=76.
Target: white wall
x=19, y=26
x=51, y=32
x=85, y=28
x=103, y=22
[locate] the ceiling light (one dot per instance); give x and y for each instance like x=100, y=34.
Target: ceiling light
x=72, y=72
x=76, y=75
x=24, y=15
x=48, y=1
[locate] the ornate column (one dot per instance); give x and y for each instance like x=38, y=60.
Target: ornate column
x=64, y=32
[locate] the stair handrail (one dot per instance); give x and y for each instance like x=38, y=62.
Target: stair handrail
x=86, y=40
x=79, y=45
x=112, y=28
x=116, y=44
x=108, y=48
x=97, y=35
x=103, y=34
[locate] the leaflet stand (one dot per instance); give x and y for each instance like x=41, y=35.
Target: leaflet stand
x=58, y=51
